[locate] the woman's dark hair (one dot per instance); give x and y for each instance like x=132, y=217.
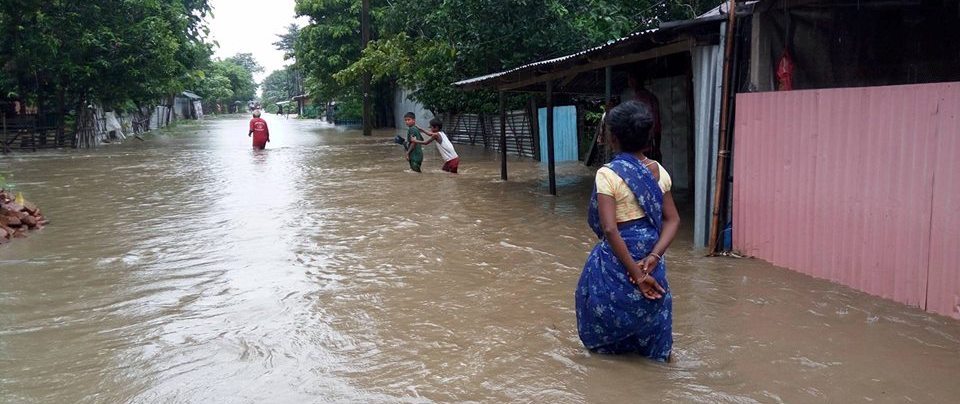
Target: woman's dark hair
x=436, y=123
x=630, y=123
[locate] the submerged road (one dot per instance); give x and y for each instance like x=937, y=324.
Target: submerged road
x=190, y=269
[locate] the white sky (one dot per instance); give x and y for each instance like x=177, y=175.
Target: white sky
x=252, y=26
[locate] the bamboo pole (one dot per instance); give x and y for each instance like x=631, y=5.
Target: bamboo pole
x=723, y=149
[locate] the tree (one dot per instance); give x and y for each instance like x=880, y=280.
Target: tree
x=426, y=44
x=329, y=44
x=224, y=82
x=280, y=85
x=287, y=42
x=114, y=53
x=246, y=61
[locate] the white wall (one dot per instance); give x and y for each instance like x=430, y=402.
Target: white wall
x=402, y=105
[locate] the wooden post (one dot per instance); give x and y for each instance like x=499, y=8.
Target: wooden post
x=365, y=34
x=723, y=152
x=3, y=124
x=503, y=137
x=551, y=167
x=535, y=127
x=607, y=85
x=61, y=120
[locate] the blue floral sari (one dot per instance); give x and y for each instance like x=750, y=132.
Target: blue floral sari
x=612, y=315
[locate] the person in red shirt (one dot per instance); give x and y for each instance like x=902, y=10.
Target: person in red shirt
x=259, y=131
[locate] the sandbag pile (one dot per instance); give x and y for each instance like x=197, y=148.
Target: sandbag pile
x=17, y=216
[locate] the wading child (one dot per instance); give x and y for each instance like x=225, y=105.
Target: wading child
x=414, y=152
x=451, y=161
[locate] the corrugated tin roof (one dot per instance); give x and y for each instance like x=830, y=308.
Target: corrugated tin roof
x=712, y=15
x=555, y=60
x=190, y=95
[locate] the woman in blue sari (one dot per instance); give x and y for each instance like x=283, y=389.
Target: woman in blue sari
x=624, y=304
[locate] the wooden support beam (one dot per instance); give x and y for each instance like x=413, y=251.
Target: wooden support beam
x=551, y=165
x=607, y=84
x=503, y=137
x=535, y=127
x=726, y=93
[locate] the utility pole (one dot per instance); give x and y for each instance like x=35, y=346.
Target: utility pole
x=365, y=88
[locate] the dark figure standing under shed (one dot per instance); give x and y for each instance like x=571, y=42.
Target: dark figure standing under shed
x=641, y=94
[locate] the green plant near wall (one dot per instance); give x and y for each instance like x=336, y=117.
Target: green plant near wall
x=592, y=118
x=311, y=112
x=3, y=182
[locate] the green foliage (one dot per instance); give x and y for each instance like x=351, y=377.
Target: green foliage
x=329, y=44
x=223, y=82
x=427, y=44
x=111, y=52
x=592, y=117
x=246, y=61
x=287, y=42
x=311, y=112
x=349, y=108
x=281, y=85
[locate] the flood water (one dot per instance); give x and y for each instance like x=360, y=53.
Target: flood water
x=188, y=268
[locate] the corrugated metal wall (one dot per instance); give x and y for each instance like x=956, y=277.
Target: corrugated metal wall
x=706, y=107
x=673, y=94
x=860, y=186
x=943, y=290
x=565, y=143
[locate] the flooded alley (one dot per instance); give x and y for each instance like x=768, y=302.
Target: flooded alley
x=188, y=268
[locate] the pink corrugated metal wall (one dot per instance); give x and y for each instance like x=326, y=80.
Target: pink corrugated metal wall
x=860, y=186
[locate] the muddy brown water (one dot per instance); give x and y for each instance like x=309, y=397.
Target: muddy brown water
x=188, y=268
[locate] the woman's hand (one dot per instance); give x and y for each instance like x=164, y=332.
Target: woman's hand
x=648, y=264
x=651, y=289
x=648, y=286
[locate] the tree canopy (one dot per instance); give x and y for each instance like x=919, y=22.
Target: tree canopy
x=224, y=82
x=111, y=52
x=424, y=45
x=280, y=85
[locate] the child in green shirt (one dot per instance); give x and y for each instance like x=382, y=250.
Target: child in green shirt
x=414, y=152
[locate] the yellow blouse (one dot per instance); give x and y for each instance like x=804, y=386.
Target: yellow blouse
x=609, y=183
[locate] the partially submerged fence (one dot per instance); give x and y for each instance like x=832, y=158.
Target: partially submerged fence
x=31, y=132
x=484, y=129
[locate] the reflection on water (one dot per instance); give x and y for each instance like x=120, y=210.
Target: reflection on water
x=190, y=268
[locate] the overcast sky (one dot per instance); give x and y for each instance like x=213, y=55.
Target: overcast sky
x=252, y=26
